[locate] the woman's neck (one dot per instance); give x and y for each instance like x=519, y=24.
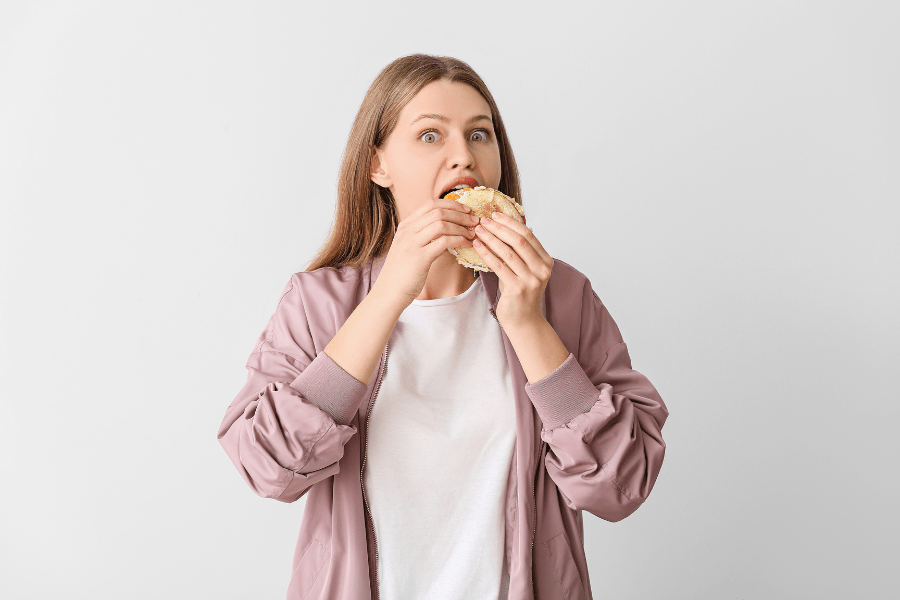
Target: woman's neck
x=446, y=278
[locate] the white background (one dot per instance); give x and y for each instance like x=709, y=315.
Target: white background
x=725, y=173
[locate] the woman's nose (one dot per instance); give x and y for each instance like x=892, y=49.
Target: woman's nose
x=459, y=153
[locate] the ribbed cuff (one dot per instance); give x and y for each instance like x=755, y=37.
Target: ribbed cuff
x=563, y=394
x=331, y=388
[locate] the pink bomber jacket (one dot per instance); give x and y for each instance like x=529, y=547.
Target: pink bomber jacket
x=588, y=437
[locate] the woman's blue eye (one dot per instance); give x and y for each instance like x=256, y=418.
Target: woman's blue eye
x=483, y=136
x=428, y=137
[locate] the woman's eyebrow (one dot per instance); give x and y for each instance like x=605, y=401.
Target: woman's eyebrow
x=445, y=119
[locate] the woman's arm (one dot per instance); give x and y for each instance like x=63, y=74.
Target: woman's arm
x=602, y=421
x=287, y=427
x=358, y=345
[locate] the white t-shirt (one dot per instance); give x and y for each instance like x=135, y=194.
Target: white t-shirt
x=440, y=440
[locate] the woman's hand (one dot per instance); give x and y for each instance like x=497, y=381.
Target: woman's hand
x=513, y=252
x=420, y=238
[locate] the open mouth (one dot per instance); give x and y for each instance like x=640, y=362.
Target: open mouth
x=458, y=187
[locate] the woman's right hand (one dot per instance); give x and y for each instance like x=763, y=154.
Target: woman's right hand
x=419, y=240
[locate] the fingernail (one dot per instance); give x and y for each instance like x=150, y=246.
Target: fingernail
x=495, y=214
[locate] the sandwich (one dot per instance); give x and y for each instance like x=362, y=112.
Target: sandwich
x=483, y=201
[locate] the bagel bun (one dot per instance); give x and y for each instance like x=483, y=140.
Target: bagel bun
x=483, y=201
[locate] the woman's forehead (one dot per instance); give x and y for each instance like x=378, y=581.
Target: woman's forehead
x=446, y=101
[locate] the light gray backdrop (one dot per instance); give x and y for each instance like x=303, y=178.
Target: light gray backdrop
x=725, y=173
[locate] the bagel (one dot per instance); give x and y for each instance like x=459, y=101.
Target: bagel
x=483, y=201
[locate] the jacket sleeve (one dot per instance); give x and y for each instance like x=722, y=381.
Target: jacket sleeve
x=602, y=421
x=286, y=429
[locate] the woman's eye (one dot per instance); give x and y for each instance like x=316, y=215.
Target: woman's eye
x=479, y=136
x=429, y=137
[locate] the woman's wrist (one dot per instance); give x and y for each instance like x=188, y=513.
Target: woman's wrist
x=388, y=299
x=358, y=344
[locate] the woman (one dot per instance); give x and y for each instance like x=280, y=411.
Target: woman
x=510, y=404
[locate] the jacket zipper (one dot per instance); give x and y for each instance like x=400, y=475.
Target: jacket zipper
x=534, y=506
x=533, y=492
x=369, y=522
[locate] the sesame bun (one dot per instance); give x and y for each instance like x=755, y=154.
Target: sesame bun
x=483, y=201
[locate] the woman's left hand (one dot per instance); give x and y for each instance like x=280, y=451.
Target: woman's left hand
x=513, y=252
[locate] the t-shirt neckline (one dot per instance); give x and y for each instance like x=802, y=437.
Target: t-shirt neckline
x=450, y=300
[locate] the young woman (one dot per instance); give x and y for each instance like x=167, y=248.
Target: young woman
x=509, y=407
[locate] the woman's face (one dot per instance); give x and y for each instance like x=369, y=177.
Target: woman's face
x=444, y=136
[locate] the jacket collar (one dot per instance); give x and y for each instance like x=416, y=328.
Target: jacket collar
x=489, y=279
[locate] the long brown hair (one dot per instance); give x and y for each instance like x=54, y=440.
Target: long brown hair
x=365, y=215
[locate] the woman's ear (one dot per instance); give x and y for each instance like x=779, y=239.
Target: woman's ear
x=378, y=174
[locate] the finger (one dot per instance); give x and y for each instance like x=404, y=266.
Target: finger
x=503, y=251
x=504, y=274
x=524, y=231
x=438, y=229
x=526, y=262
x=439, y=203
x=441, y=244
x=438, y=215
